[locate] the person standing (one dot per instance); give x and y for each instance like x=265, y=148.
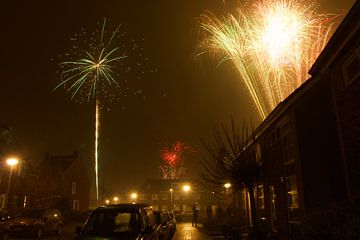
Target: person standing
x=195, y=214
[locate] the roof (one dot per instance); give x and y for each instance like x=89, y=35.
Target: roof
x=157, y=185
x=348, y=29
x=58, y=164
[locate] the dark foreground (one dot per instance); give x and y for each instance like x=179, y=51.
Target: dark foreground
x=184, y=232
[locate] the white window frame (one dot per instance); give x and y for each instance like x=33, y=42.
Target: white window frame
x=155, y=196
x=76, y=205
x=73, y=188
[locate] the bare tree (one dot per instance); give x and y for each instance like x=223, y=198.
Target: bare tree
x=230, y=156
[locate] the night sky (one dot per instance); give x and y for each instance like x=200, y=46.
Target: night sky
x=181, y=100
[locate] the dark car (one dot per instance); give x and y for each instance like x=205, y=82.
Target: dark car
x=120, y=221
x=4, y=225
x=36, y=222
x=162, y=227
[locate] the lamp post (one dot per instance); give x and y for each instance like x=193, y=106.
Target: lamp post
x=115, y=199
x=10, y=162
x=171, y=199
x=186, y=188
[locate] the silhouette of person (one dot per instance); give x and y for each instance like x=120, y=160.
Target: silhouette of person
x=195, y=214
x=208, y=212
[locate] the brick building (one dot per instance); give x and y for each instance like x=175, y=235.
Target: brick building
x=63, y=183
x=309, y=146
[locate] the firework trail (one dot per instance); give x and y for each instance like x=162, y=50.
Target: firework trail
x=272, y=44
x=97, y=62
x=173, y=157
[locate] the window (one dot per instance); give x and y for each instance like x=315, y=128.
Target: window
x=176, y=207
x=258, y=153
x=76, y=205
x=164, y=196
x=155, y=196
x=260, y=196
x=287, y=144
x=260, y=201
x=113, y=223
x=164, y=207
x=293, y=202
x=292, y=192
x=143, y=196
x=73, y=188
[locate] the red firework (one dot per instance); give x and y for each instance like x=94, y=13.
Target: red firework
x=173, y=155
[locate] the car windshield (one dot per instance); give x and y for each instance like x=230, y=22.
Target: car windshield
x=32, y=213
x=112, y=223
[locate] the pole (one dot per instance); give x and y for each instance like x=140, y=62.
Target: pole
x=171, y=200
x=8, y=190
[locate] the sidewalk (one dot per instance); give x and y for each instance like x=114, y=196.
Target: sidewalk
x=184, y=231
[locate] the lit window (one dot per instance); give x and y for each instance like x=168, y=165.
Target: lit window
x=292, y=192
x=164, y=196
x=76, y=205
x=155, y=196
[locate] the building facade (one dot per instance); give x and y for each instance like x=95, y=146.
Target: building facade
x=309, y=146
x=63, y=183
x=171, y=194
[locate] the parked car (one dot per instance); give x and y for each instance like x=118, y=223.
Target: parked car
x=4, y=225
x=162, y=227
x=37, y=222
x=120, y=221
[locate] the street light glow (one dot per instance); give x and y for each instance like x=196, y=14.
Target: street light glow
x=227, y=185
x=171, y=189
x=107, y=201
x=186, y=188
x=133, y=195
x=116, y=199
x=12, y=161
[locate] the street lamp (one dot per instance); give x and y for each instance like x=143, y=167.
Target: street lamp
x=227, y=187
x=107, y=201
x=133, y=196
x=115, y=199
x=186, y=188
x=11, y=162
x=171, y=199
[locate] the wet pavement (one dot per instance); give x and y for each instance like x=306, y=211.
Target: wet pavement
x=184, y=231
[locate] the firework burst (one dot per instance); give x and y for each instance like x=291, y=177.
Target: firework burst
x=173, y=157
x=96, y=70
x=272, y=44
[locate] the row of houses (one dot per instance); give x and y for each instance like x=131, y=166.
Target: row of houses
x=57, y=181
x=309, y=146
